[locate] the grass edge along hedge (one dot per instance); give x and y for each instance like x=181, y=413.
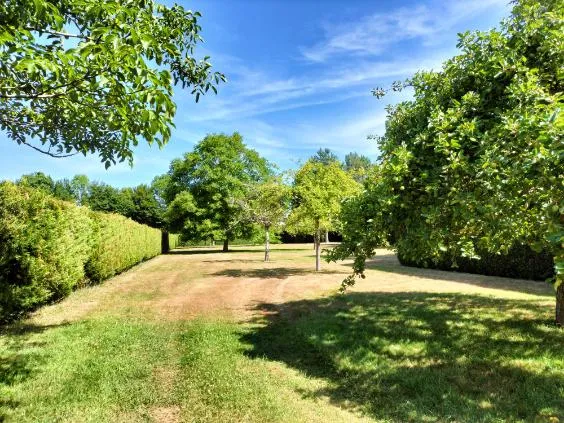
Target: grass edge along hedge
x=48, y=247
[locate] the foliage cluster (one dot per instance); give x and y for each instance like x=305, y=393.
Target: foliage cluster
x=96, y=77
x=474, y=162
x=49, y=246
x=205, y=188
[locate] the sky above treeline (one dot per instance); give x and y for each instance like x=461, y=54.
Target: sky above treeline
x=300, y=74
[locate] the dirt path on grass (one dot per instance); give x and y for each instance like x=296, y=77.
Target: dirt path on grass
x=235, y=285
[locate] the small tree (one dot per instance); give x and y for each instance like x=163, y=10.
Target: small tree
x=319, y=190
x=267, y=205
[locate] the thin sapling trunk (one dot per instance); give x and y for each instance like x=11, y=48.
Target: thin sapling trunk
x=266, y=243
x=317, y=247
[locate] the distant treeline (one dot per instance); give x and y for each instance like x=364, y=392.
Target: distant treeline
x=140, y=203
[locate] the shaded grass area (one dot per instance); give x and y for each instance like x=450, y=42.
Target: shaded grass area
x=389, y=263
x=273, y=272
x=423, y=357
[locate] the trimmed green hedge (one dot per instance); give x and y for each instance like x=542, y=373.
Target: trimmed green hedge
x=49, y=246
x=119, y=243
x=44, y=244
x=520, y=262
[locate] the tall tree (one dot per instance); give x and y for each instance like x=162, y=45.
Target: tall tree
x=324, y=156
x=80, y=186
x=357, y=165
x=217, y=174
x=103, y=197
x=38, y=180
x=87, y=76
x=474, y=161
x=267, y=204
x=319, y=189
x=146, y=209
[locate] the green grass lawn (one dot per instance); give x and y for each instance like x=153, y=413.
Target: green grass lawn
x=365, y=356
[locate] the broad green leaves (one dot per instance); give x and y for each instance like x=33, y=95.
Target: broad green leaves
x=217, y=176
x=475, y=160
x=83, y=76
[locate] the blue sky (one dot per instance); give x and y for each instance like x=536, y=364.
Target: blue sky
x=299, y=78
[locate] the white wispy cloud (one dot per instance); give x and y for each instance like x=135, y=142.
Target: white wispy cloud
x=374, y=34
x=255, y=93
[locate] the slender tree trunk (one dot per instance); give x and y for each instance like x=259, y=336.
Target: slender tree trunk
x=560, y=305
x=317, y=247
x=266, y=243
x=326, y=237
x=225, y=245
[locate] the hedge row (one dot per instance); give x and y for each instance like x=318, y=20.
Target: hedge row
x=520, y=262
x=49, y=246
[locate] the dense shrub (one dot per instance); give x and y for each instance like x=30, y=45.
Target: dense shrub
x=49, y=246
x=520, y=262
x=119, y=243
x=173, y=241
x=44, y=243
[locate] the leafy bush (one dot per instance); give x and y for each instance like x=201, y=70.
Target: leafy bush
x=49, y=246
x=173, y=240
x=519, y=262
x=119, y=243
x=44, y=243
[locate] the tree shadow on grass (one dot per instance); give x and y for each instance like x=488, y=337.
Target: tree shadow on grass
x=234, y=250
x=274, y=272
x=421, y=356
x=390, y=263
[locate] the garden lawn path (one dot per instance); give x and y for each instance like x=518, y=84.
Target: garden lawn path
x=199, y=335
x=205, y=282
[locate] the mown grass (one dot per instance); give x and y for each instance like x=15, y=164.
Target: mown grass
x=424, y=357
x=370, y=356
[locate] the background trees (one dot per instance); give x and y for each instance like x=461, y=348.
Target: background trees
x=217, y=174
x=90, y=76
x=319, y=190
x=474, y=162
x=357, y=165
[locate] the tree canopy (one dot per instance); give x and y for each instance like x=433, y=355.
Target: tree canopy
x=89, y=76
x=319, y=190
x=357, y=165
x=217, y=174
x=324, y=156
x=267, y=204
x=474, y=161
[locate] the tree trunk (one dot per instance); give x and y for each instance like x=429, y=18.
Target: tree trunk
x=225, y=245
x=266, y=244
x=326, y=237
x=317, y=247
x=560, y=305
